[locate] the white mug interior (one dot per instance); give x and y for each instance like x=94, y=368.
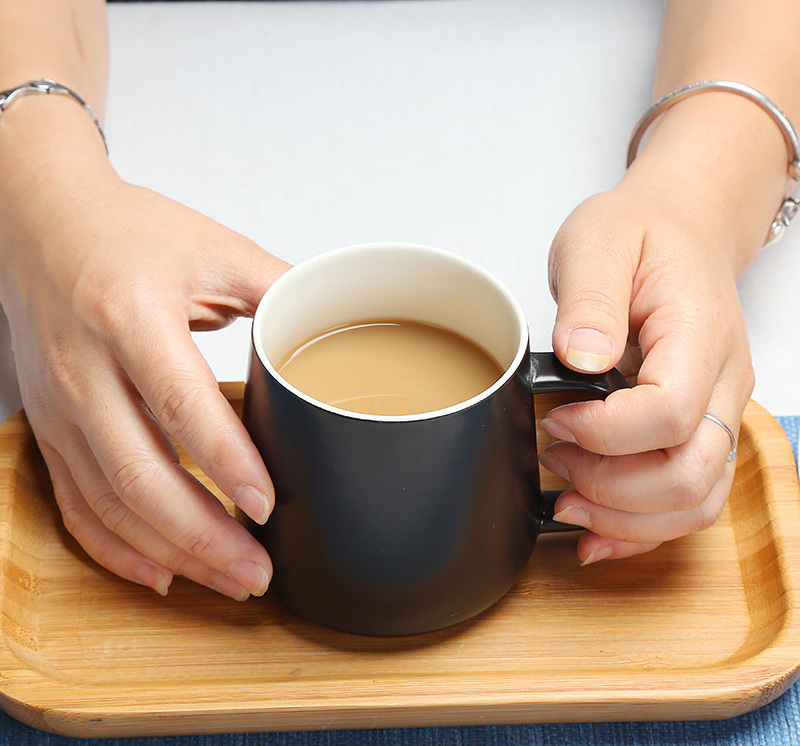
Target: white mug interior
x=389, y=281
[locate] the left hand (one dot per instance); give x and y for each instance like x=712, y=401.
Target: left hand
x=642, y=280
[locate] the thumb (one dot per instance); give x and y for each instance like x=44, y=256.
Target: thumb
x=591, y=271
x=246, y=271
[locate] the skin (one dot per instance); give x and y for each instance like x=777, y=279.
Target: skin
x=103, y=282
x=101, y=296
x=651, y=268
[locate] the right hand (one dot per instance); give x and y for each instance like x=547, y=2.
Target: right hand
x=102, y=283
x=642, y=279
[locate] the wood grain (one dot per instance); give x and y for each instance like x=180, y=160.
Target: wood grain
x=704, y=627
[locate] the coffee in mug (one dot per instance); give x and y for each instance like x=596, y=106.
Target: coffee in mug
x=390, y=367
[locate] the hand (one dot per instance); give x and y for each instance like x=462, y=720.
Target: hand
x=644, y=282
x=103, y=282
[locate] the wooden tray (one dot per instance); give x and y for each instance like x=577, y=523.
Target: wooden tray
x=705, y=627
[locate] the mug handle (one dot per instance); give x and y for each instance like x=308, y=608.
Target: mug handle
x=548, y=375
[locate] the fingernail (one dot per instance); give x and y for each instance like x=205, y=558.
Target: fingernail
x=557, y=430
x=253, y=502
x=251, y=576
x=227, y=587
x=596, y=555
x=152, y=577
x=589, y=350
x=551, y=462
x=575, y=515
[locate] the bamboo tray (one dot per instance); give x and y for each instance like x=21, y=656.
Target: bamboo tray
x=705, y=627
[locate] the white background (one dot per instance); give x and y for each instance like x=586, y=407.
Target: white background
x=472, y=125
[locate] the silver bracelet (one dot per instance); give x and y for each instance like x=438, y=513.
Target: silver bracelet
x=46, y=85
x=791, y=204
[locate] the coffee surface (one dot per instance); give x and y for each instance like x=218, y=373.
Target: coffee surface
x=390, y=367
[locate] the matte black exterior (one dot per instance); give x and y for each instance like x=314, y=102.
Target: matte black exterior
x=398, y=528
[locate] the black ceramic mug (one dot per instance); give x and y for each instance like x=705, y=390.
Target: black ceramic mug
x=398, y=525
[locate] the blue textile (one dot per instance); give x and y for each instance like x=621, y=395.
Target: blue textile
x=791, y=426
x=776, y=724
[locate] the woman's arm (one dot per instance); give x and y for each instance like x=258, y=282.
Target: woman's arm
x=66, y=41
x=728, y=143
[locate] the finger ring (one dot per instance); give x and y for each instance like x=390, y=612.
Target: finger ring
x=732, y=454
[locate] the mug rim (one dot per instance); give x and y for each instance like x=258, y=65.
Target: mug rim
x=508, y=372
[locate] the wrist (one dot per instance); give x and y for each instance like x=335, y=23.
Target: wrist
x=41, y=134
x=52, y=159
x=718, y=161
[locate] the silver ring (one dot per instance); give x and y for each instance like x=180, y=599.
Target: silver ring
x=732, y=453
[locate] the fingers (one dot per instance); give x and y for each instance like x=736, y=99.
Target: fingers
x=594, y=548
x=177, y=385
x=592, y=266
x=100, y=543
x=680, y=373
x=218, y=273
x=121, y=521
x=165, y=496
x=630, y=504
x=235, y=274
x=246, y=275
x=168, y=371
x=159, y=356
x=678, y=478
x=644, y=528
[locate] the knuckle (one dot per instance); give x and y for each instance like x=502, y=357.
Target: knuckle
x=72, y=520
x=213, y=459
x=105, y=310
x=683, y=419
x=706, y=517
x=78, y=523
x=592, y=478
x=63, y=370
x=694, y=479
x=688, y=495
x=200, y=542
x=175, y=400
x=589, y=489
x=111, y=511
x=107, y=301
x=133, y=478
x=597, y=303
x=598, y=220
x=749, y=382
x=628, y=534
x=600, y=440
x=177, y=560
x=603, y=442
x=717, y=316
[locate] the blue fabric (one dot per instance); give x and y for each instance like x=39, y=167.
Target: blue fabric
x=791, y=426
x=776, y=724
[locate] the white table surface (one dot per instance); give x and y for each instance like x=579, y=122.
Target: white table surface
x=472, y=125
